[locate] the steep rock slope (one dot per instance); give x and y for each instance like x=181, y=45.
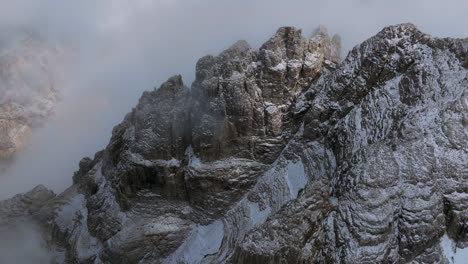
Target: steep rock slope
x=394, y=116
x=183, y=159
x=282, y=155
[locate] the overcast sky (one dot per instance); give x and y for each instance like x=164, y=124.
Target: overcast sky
x=124, y=47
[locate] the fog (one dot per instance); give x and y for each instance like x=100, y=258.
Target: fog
x=123, y=47
x=21, y=243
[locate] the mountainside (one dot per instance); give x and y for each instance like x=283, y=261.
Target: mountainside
x=284, y=154
x=29, y=69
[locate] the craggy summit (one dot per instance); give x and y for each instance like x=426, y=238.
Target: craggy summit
x=284, y=154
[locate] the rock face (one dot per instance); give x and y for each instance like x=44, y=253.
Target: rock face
x=283, y=155
x=28, y=87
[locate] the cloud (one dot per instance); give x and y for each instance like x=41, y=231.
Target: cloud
x=22, y=243
x=124, y=47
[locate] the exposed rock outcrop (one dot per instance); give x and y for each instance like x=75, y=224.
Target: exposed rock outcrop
x=384, y=114
x=283, y=155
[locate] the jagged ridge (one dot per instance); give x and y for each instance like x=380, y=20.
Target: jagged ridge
x=283, y=155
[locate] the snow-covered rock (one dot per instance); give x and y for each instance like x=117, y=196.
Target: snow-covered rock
x=284, y=155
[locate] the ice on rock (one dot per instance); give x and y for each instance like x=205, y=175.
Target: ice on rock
x=453, y=254
x=280, y=66
x=296, y=178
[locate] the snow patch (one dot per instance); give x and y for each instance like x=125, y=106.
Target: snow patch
x=68, y=212
x=72, y=218
x=173, y=162
x=295, y=178
x=204, y=240
x=294, y=64
x=86, y=245
x=280, y=66
x=194, y=161
x=271, y=109
x=311, y=59
x=236, y=75
x=258, y=216
x=453, y=254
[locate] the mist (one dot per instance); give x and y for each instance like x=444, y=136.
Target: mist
x=122, y=48
x=22, y=243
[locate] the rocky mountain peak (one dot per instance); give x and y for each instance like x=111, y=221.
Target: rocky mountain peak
x=284, y=154
x=239, y=49
x=288, y=43
x=172, y=85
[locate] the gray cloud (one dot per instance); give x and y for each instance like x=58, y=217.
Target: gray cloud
x=22, y=243
x=124, y=47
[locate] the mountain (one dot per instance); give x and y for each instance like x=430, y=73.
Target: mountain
x=29, y=88
x=284, y=154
